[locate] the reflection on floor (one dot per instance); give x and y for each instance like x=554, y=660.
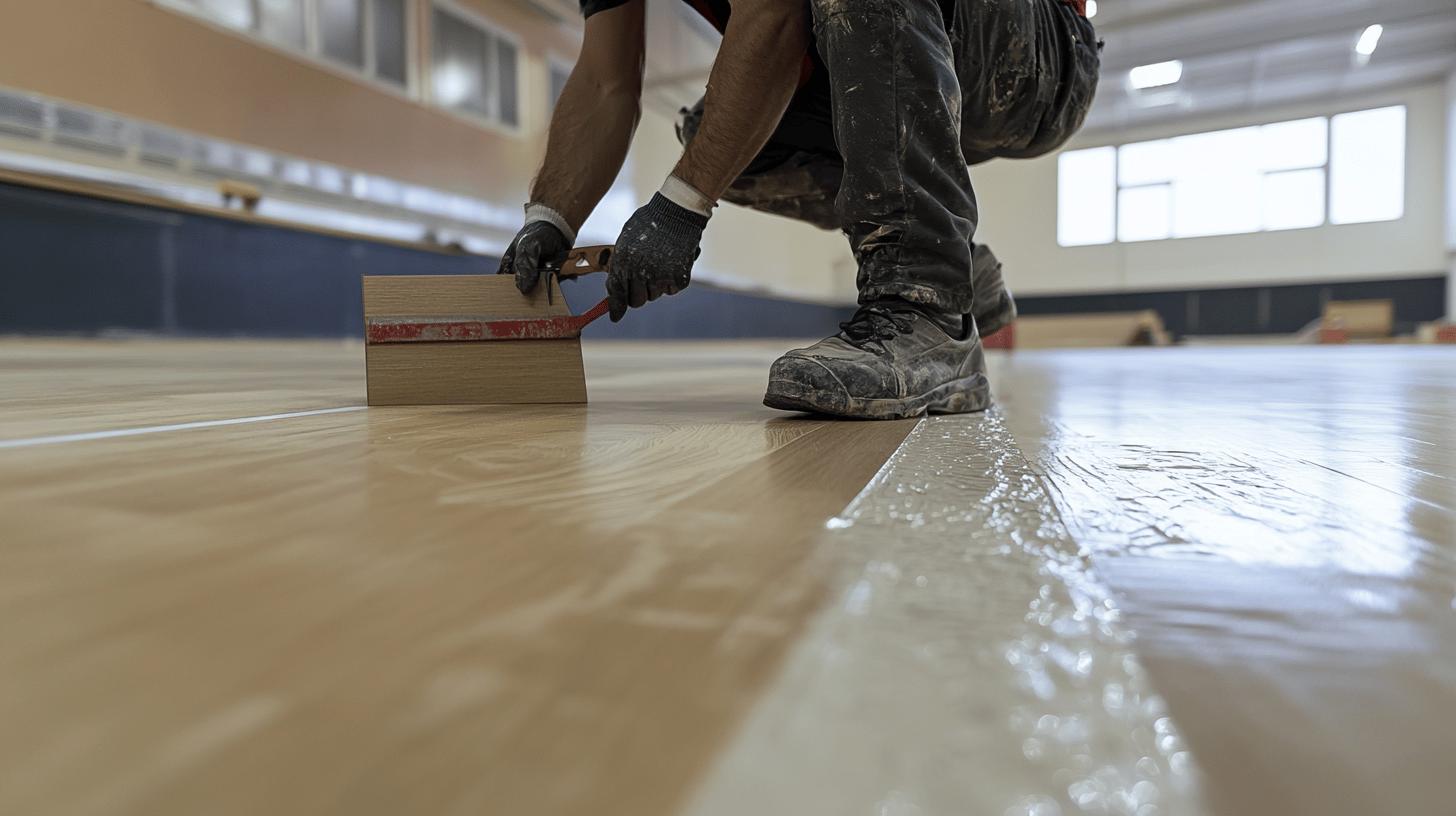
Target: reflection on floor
x=1280, y=525
x=1162, y=581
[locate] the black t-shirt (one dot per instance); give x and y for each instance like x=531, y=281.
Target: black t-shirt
x=714, y=11
x=808, y=122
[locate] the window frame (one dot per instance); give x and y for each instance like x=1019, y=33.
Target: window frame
x=475, y=18
x=555, y=62
x=312, y=50
x=1327, y=169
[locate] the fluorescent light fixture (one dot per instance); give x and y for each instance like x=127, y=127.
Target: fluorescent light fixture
x=1369, y=40
x=1156, y=75
x=1091, y=9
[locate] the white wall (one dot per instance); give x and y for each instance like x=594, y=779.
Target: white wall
x=1018, y=201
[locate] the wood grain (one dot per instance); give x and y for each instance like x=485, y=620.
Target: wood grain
x=550, y=609
x=479, y=373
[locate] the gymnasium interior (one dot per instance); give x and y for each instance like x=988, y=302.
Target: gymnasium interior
x=1199, y=557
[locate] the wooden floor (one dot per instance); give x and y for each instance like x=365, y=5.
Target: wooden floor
x=227, y=588
x=1280, y=527
x=454, y=610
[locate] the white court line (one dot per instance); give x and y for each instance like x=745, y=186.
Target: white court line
x=181, y=426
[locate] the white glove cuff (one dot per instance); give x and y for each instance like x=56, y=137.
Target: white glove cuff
x=540, y=212
x=686, y=196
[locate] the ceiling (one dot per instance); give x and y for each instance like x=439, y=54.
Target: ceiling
x=1238, y=55
x=1244, y=55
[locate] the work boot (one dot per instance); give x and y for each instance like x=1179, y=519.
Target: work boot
x=892, y=360
x=995, y=310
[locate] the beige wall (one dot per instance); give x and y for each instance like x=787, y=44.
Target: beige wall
x=1019, y=220
x=149, y=63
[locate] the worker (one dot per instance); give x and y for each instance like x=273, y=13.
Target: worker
x=858, y=115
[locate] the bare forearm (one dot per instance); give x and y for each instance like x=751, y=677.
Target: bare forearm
x=596, y=115
x=754, y=77
x=588, y=141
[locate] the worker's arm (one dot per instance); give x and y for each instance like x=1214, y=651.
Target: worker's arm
x=590, y=132
x=752, y=80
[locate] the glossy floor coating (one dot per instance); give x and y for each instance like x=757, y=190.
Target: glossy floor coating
x=1280, y=527
x=1151, y=582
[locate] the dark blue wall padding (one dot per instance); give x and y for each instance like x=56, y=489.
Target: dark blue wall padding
x=74, y=264
x=1256, y=309
x=69, y=263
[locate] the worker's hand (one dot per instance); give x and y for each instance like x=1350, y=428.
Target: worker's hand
x=539, y=244
x=654, y=256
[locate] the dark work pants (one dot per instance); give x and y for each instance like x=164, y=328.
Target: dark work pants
x=919, y=90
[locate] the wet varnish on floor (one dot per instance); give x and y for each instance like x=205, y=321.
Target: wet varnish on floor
x=1280, y=527
x=1150, y=582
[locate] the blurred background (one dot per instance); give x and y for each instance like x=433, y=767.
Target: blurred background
x=231, y=167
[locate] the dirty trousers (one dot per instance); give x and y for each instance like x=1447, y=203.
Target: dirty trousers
x=918, y=91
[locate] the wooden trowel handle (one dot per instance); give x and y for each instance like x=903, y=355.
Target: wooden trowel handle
x=584, y=261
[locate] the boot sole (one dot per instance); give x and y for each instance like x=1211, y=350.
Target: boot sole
x=967, y=395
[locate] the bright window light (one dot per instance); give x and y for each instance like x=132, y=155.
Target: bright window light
x=1146, y=163
x=1294, y=145
x=1290, y=175
x=1156, y=75
x=1091, y=9
x=1367, y=166
x=1369, y=40
x=455, y=82
x=1145, y=213
x=1087, y=196
x=1294, y=199
x=1218, y=183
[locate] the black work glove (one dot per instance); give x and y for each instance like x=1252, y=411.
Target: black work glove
x=654, y=256
x=538, y=244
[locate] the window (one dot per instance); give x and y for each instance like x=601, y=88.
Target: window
x=283, y=22
x=341, y=31
x=1086, y=196
x=367, y=37
x=473, y=68
x=1346, y=169
x=391, y=41
x=1367, y=182
x=231, y=13
x=560, y=72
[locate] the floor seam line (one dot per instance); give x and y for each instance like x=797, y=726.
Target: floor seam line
x=59, y=439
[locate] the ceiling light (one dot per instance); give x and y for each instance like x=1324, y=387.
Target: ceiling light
x=454, y=84
x=1156, y=75
x=1091, y=9
x=1369, y=40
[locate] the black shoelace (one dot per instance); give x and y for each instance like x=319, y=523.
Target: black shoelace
x=874, y=324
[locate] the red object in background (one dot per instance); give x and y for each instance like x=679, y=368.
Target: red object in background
x=1446, y=334
x=1004, y=339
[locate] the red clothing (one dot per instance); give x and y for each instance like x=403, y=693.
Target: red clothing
x=1079, y=5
